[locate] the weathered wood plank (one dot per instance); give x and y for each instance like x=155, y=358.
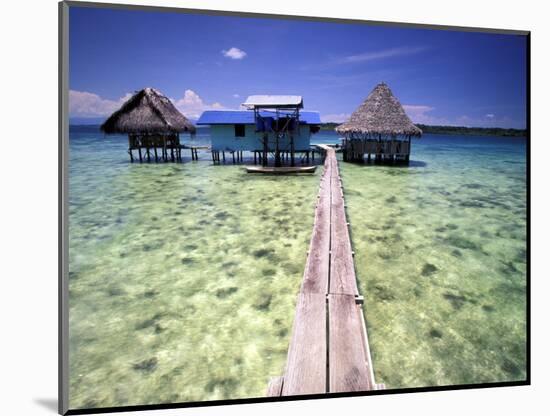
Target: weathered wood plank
x=364, y=336
x=315, y=278
x=349, y=362
x=275, y=386
x=342, y=270
x=306, y=363
x=347, y=359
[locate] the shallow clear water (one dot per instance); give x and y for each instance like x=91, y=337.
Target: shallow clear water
x=441, y=259
x=183, y=277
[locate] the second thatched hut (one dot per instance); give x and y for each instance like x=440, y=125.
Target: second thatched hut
x=379, y=128
x=151, y=122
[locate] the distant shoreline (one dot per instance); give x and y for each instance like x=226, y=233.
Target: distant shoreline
x=458, y=131
x=447, y=130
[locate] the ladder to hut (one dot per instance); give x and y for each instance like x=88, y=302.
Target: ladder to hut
x=277, y=117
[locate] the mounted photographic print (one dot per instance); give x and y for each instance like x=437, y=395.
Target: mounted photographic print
x=264, y=208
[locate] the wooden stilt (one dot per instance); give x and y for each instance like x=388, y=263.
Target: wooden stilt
x=291, y=150
x=140, y=156
x=409, y=153
x=277, y=154
x=264, y=157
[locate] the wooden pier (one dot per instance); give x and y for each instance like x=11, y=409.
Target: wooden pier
x=379, y=129
x=160, y=149
x=381, y=151
x=329, y=350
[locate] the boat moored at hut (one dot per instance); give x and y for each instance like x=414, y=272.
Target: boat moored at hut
x=379, y=128
x=153, y=125
x=270, y=125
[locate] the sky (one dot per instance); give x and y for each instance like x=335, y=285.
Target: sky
x=214, y=62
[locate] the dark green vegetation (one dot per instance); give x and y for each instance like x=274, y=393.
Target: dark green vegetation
x=457, y=130
x=328, y=126
x=453, y=130
x=472, y=131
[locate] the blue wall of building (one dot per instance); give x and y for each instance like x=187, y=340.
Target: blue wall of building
x=223, y=139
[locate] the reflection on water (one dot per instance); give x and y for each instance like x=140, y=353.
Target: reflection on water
x=183, y=277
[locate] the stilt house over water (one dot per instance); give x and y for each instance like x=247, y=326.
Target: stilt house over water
x=153, y=125
x=270, y=125
x=379, y=128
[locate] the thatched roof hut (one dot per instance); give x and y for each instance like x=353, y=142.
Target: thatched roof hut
x=381, y=114
x=147, y=112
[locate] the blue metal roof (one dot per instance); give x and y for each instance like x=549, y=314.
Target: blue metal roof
x=247, y=117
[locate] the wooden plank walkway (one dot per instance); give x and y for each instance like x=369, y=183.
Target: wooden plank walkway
x=329, y=349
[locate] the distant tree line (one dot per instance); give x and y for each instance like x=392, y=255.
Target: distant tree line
x=472, y=131
x=329, y=126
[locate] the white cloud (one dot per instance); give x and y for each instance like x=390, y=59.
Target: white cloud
x=335, y=118
x=87, y=104
x=234, y=53
x=236, y=96
x=382, y=54
x=489, y=120
x=419, y=113
x=192, y=105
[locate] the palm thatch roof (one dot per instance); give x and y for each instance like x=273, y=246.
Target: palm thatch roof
x=380, y=114
x=147, y=112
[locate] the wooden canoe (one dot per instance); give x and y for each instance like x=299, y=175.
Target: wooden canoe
x=281, y=170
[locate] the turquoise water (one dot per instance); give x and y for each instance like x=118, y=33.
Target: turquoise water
x=183, y=277
x=441, y=258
